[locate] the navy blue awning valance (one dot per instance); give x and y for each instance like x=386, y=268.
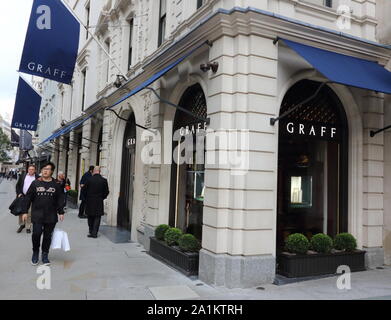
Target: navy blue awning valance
x=66, y=129
x=343, y=69
x=156, y=76
x=140, y=87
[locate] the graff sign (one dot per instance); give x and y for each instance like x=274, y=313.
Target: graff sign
x=311, y=130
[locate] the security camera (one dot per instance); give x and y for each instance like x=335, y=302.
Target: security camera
x=204, y=67
x=210, y=65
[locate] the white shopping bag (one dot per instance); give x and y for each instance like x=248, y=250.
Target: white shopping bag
x=60, y=240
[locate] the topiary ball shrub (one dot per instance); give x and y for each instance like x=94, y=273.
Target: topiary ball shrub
x=188, y=242
x=321, y=243
x=172, y=235
x=160, y=231
x=297, y=243
x=345, y=241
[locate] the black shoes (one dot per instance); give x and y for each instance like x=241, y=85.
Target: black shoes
x=28, y=230
x=92, y=236
x=21, y=228
x=45, y=259
x=34, y=259
x=83, y=217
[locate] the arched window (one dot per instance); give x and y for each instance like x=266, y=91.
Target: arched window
x=187, y=173
x=312, y=164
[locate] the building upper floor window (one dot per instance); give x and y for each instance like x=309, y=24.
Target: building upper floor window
x=83, y=83
x=326, y=3
x=162, y=21
x=200, y=3
x=131, y=25
x=87, y=19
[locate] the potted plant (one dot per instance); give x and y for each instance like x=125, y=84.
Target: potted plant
x=320, y=256
x=72, y=196
x=178, y=250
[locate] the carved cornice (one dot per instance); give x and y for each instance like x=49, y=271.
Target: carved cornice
x=82, y=59
x=250, y=22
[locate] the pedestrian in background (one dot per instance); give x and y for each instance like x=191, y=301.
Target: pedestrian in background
x=83, y=181
x=22, y=187
x=46, y=198
x=65, y=184
x=96, y=191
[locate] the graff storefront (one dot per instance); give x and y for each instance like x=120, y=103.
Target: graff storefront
x=312, y=165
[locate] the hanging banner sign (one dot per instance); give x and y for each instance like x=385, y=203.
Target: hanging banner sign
x=27, y=105
x=52, y=42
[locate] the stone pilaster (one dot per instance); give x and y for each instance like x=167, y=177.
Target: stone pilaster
x=373, y=177
x=387, y=183
x=239, y=207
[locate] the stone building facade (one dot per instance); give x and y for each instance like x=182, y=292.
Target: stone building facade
x=240, y=213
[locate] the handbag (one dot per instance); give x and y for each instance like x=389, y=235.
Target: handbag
x=16, y=206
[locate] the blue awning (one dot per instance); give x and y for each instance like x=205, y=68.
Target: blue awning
x=66, y=129
x=156, y=76
x=142, y=86
x=343, y=69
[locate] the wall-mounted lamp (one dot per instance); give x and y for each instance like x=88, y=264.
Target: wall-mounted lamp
x=210, y=65
x=118, y=81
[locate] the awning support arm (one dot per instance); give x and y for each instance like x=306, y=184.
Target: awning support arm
x=91, y=140
x=274, y=120
x=207, y=120
x=373, y=133
x=126, y=120
x=75, y=144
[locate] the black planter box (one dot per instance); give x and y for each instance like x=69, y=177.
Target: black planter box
x=72, y=203
x=295, y=266
x=185, y=262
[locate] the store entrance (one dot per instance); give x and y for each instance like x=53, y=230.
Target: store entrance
x=125, y=199
x=312, y=165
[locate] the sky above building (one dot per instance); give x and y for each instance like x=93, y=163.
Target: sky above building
x=14, y=18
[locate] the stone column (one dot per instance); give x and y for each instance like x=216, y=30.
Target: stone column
x=63, y=151
x=72, y=165
x=105, y=163
x=86, y=149
x=239, y=231
x=373, y=186
x=153, y=214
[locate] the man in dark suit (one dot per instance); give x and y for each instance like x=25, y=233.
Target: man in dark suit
x=83, y=182
x=96, y=191
x=22, y=186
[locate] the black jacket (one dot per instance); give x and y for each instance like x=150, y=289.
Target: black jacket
x=83, y=181
x=19, y=184
x=96, y=190
x=47, y=200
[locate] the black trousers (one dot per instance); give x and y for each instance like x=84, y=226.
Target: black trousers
x=82, y=208
x=47, y=230
x=94, y=224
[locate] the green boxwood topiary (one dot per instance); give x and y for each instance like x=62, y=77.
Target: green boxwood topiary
x=321, y=243
x=72, y=193
x=297, y=243
x=160, y=231
x=172, y=235
x=345, y=241
x=188, y=242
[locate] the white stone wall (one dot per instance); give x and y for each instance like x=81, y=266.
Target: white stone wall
x=240, y=211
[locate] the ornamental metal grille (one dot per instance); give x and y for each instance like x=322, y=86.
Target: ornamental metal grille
x=193, y=100
x=322, y=109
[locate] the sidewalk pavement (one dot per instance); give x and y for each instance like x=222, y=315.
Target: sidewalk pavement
x=98, y=269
